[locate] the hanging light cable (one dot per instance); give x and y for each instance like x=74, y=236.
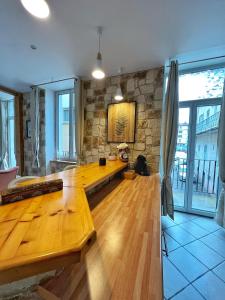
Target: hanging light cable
x=98, y=72
x=118, y=95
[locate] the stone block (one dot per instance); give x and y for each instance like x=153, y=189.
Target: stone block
x=151, y=75
x=140, y=135
x=115, y=80
x=155, y=141
x=94, y=152
x=101, y=149
x=95, y=141
x=136, y=92
x=130, y=85
x=141, y=107
x=142, y=123
x=146, y=89
x=154, y=114
x=96, y=121
x=157, y=104
x=102, y=121
x=147, y=130
x=140, y=99
x=111, y=89
x=141, y=115
x=141, y=82
x=95, y=158
x=148, y=140
x=155, y=150
x=139, y=146
x=90, y=107
x=99, y=92
x=95, y=130
x=158, y=95
x=89, y=159
x=89, y=124
x=90, y=93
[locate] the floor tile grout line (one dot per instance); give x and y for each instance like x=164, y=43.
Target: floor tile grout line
x=218, y=275
x=198, y=292
x=183, y=246
x=190, y=283
x=193, y=236
x=185, y=276
x=213, y=249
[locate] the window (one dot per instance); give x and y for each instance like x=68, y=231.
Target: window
x=201, y=85
x=66, y=115
x=7, y=107
x=65, y=120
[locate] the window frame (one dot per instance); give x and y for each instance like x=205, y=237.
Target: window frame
x=72, y=150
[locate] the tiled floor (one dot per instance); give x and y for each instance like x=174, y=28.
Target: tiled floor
x=195, y=267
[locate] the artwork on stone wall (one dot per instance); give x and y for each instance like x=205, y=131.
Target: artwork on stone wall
x=121, y=122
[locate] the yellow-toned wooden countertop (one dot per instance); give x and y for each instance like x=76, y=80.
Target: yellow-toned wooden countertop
x=38, y=231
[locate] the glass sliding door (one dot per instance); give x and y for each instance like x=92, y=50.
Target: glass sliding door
x=206, y=179
x=194, y=176
x=195, y=171
x=179, y=171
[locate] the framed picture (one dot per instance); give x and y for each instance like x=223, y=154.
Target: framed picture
x=28, y=129
x=121, y=122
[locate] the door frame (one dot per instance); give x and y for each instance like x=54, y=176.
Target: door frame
x=188, y=191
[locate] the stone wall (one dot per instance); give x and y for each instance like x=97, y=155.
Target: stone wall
x=146, y=88
x=28, y=153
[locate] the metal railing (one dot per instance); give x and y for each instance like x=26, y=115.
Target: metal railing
x=205, y=177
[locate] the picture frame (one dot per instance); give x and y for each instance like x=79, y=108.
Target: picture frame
x=28, y=129
x=121, y=122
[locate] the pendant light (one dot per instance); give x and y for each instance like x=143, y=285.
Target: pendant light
x=37, y=8
x=118, y=95
x=98, y=72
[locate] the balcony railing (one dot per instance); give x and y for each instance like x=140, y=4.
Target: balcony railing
x=209, y=123
x=205, y=177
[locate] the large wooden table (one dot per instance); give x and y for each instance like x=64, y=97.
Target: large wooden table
x=50, y=231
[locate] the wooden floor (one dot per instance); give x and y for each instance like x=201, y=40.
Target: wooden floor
x=125, y=261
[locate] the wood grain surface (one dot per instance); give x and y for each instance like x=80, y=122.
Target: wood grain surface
x=125, y=261
x=42, y=231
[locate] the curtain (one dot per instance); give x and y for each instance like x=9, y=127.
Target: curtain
x=3, y=136
x=18, y=132
x=79, y=119
x=35, y=125
x=169, y=139
x=220, y=214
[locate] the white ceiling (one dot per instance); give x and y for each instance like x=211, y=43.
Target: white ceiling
x=138, y=34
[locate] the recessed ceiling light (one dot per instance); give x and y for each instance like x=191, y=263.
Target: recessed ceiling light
x=38, y=8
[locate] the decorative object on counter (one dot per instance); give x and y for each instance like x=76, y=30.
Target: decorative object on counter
x=102, y=161
x=123, y=152
x=112, y=156
x=141, y=166
x=31, y=190
x=121, y=122
x=130, y=174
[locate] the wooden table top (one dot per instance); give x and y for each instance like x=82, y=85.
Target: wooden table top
x=86, y=176
x=51, y=225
